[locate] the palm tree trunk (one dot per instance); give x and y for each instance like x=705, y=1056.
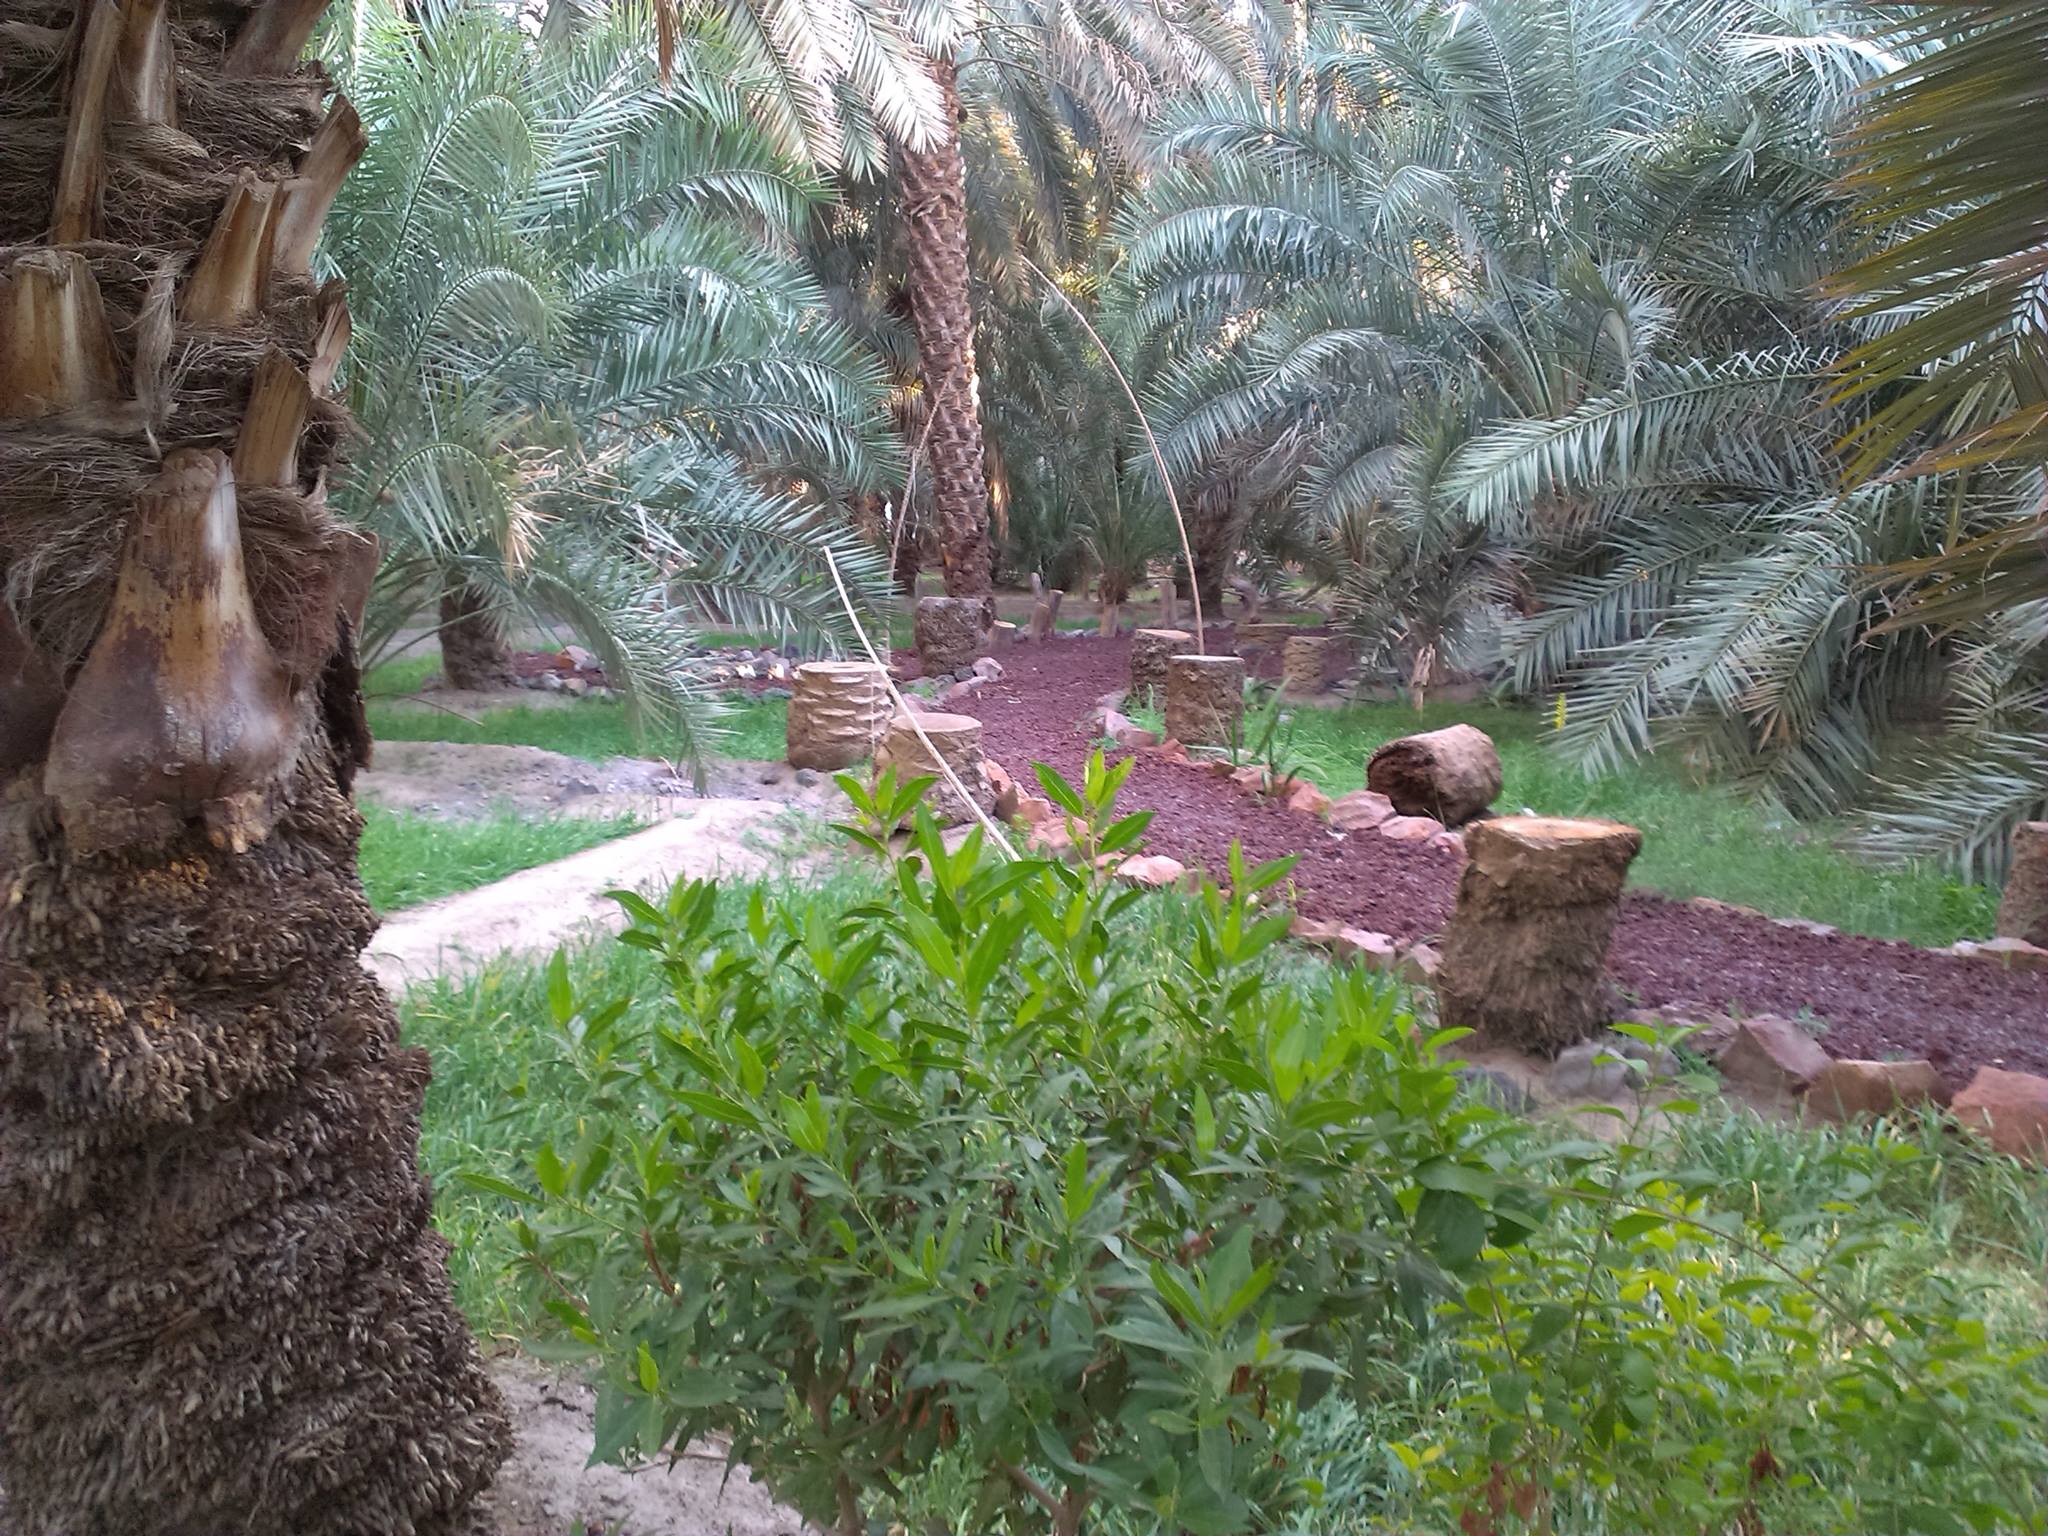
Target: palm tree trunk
x=223, y=1305
x=473, y=650
x=934, y=190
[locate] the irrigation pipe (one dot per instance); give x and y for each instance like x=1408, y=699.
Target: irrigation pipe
x=903, y=708
x=1165, y=480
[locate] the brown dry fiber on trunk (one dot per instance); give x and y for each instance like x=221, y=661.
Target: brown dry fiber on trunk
x=1452, y=774
x=933, y=185
x=473, y=649
x=2023, y=912
x=222, y=1303
x=1526, y=950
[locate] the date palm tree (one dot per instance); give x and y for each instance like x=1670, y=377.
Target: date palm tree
x=222, y=1303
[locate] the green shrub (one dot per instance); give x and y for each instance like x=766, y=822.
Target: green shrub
x=970, y=1203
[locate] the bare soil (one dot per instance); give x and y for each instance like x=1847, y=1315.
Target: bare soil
x=1878, y=999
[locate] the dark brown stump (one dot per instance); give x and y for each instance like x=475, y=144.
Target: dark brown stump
x=473, y=650
x=1524, y=955
x=2023, y=913
x=1150, y=650
x=1452, y=774
x=1204, y=699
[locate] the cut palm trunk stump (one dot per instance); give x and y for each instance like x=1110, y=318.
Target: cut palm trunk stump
x=1045, y=615
x=1301, y=663
x=2023, y=913
x=1150, y=651
x=950, y=632
x=1169, y=605
x=1261, y=632
x=1525, y=952
x=954, y=738
x=1204, y=699
x=837, y=711
x=1452, y=774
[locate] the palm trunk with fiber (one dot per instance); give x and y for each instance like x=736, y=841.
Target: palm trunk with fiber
x=473, y=649
x=934, y=190
x=222, y=1304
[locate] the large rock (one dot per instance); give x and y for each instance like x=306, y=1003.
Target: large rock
x=1150, y=649
x=837, y=710
x=951, y=632
x=955, y=740
x=2008, y=1109
x=2023, y=913
x=1204, y=699
x=1524, y=956
x=1452, y=774
x=1360, y=811
x=1773, y=1055
x=1855, y=1090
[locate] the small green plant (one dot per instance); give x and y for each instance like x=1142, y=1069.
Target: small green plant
x=1263, y=735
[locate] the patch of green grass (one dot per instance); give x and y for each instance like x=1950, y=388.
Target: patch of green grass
x=593, y=729
x=406, y=859
x=400, y=676
x=1698, y=840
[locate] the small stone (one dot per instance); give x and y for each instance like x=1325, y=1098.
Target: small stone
x=960, y=693
x=1113, y=725
x=1725, y=908
x=1307, y=799
x=1592, y=1069
x=576, y=685
x=999, y=778
x=1849, y=1090
x=547, y=682
x=1316, y=932
x=1172, y=751
x=807, y=777
x=2008, y=1109
x=1375, y=951
x=987, y=668
x=1252, y=778
x=1449, y=841
x=2013, y=954
x=1410, y=829
x=1806, y=925
x=1152, y=869
x=1034, y=810
x=1221, y=767
x=1418, y=965
x=1360, y=811
x=745, y=670
x=1772, y=1054
x=578, y=657
x=1496, y=1090
x=1135, y=738
x=1050, y=838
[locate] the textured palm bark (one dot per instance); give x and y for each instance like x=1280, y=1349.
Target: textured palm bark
x=223, y=1306
x=473, y=649
x=934, y=189
x=2023, y=913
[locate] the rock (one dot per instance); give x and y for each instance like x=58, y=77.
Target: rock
x=576, y=685
x=1496, y=1090
x=1252, y=778
x=1607, y=1066
x=807, y=777
x=1419, y=965
x=745, y=670
x=987, y=668
x=998, y=776
x=1360, y=811
x=1806, y=925
x=1850, y=1090
x=1449, y=842
x=2008, y=1109
x=2013, y=954
x=1307, y=799
x=548, y=682
x=1772, y=1054
x=955, y=694
x=1204, y=698
x=1316, y=932
x=950, y=632
x=837, y=712
x=1152, y=869
x=1172, y=751
x=1410, y=829
x=778, y=693
x=953, y=739
x=1219, y=767
x=579, y=658
x=1724, y=908
x=1375, y=951
x=1133, y=738
x=1452, y=774
x=2023, y=910
x=1050, y=838
x=1035, y=810
x=1525, y=954
x=1113, y=725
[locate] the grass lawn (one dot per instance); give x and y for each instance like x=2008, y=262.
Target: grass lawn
x=1697, y=840
x=406, y=860
x=594, y=729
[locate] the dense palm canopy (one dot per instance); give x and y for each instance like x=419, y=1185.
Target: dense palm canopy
x=595, y=385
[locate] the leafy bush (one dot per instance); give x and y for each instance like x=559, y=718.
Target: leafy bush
x=984, y=1201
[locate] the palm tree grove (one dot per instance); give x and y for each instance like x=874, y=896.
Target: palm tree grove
x=997, y=768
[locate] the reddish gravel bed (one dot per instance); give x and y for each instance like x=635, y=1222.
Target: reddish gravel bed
x=1879, y=999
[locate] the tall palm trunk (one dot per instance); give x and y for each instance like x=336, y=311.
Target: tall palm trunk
x=934, y=189
x=473, y=649
x=222, y=1304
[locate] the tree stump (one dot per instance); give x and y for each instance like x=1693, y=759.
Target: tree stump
x=1150, y=649
x=2023, y=913
x=1452, y=774
x=1001, y=633
x=1526, y=948
x=950, y=632
x=1301, y=663
x=1204, y=699
x=957, y=740
x=1262, y=632
x=1169, y=605
x=1045, y=614
x=837, y=710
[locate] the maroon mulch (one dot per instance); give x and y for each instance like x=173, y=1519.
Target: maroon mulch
x=1879, y=998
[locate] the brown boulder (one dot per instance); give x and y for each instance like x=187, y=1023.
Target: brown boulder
x=2013, y=954
x=2008, y=1109
x=1854, y=1090
x=1307, y=799
x=1410, y=829
x=1360, y=811
x=1152, y=869
x=1772, y=1054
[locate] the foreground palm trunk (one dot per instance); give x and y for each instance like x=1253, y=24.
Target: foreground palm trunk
x=222, y=1306
x=934, y=189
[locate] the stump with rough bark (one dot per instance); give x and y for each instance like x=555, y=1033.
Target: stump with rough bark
x=1204, y=699
x=1150, y=649
x=1452, y=774
x=1526, y=949
x=953, y=739
x=1169, y=605
x=2023, y=913
x=1266, y=632
x=837, y=711
x=1301, y=663
x=950, y=632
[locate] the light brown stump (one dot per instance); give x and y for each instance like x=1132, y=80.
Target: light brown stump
x=950, y=632
x=1452, y=774
x=1526, y=949
x=1111, y=613
x=1204, y=699
x=2023, y=913
x=955, y=739
x=1169, y=605
x=837, y=711
x=1301, y=663
x=1150, y=649
x=1262, y=633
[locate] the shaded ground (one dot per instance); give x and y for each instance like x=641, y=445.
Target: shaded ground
x=1878, y=999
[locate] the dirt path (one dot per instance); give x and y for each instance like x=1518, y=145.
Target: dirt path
x=1879, y=999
